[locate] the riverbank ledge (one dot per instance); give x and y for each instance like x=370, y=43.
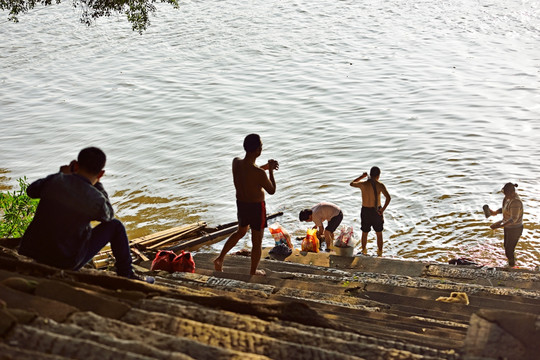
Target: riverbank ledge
x=311, y=306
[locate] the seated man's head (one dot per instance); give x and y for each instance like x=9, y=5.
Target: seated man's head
x=91, y=162
x=305, y=215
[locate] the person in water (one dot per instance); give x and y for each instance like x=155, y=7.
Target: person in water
x=512, y=221
x=250, y=182
x=60, y=233
x=371, y=214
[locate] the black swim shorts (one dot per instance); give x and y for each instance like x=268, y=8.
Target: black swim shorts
x=252, y=214
x=334, y=222
x=371, y=218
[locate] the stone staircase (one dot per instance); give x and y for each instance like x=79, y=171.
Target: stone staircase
x=314, y=306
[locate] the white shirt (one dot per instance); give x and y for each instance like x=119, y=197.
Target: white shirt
x=324, y=211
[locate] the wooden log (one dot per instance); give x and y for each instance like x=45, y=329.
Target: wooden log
x=202, y=239
x=173, y=234
x=174, y=238
x=160, y=235
x=139, y=254
x=178, y=235
x=209, y=237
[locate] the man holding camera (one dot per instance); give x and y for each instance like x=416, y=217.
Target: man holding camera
x=60, y=234
x=250, y=182
x=371, y=214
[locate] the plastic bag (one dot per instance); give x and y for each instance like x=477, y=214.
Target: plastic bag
x=184, y=262
x=345, y=237
x=167, y=260
x=280, y=235
x=163, y=261
x=311, y=242
x=280, y=252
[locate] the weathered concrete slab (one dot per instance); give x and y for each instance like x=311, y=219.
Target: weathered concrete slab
x=504, y=335
x=319, y=306
x=20, y=353
x=129, y=332
x=82, y=299
x=51, y=309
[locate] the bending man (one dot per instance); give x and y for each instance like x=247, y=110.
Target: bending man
x=321, y=212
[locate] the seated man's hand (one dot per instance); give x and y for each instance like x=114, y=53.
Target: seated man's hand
x=69, y=169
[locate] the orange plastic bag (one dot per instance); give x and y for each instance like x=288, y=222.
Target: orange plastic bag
x=311, y=242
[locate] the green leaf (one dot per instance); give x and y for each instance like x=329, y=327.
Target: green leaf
x=18, y=210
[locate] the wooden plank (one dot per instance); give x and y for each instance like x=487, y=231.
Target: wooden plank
x=160, y=235
x=140, y=254
x=168, y=233
x=202, y=239
x=102, y=258
x=174, y=238
x=209, y=237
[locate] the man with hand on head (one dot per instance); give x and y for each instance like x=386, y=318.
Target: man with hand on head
x=60, y=234
x=371, y=214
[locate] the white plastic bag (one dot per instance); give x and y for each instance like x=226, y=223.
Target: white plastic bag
x=345, y=237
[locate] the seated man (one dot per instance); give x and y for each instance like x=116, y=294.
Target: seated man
x=60, y=234
x=324, y=211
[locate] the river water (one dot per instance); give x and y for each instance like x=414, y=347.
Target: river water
x=443, y=96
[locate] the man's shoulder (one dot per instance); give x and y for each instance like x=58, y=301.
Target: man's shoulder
x=363, y=184
x=55, y=176
x=382, y=188
x=52, y=180
x=78, y=185
x=516, y=201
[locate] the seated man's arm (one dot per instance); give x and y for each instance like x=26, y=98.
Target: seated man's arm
x=34, y=189
x=105, y=211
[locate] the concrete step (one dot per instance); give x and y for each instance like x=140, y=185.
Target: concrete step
x=351, y=308
x=17, y=352
x=243, y=341
x=415, y=287
x=44, y=341
x=170, y=341
x=346, y=342
x=375, y=322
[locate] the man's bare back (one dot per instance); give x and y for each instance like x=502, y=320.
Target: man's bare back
x=250, y=181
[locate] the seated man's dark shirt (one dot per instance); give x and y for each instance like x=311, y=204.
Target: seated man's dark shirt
x=61, y=225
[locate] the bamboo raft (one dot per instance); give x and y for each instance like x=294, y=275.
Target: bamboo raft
x=188, y=237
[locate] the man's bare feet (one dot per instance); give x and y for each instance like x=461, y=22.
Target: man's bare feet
x=218, y=264
x=260, y=273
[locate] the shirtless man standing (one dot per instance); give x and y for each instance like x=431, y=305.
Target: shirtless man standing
x=250, y=182
x=371, y=214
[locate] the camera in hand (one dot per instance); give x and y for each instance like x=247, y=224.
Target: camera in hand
x=487, y=212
